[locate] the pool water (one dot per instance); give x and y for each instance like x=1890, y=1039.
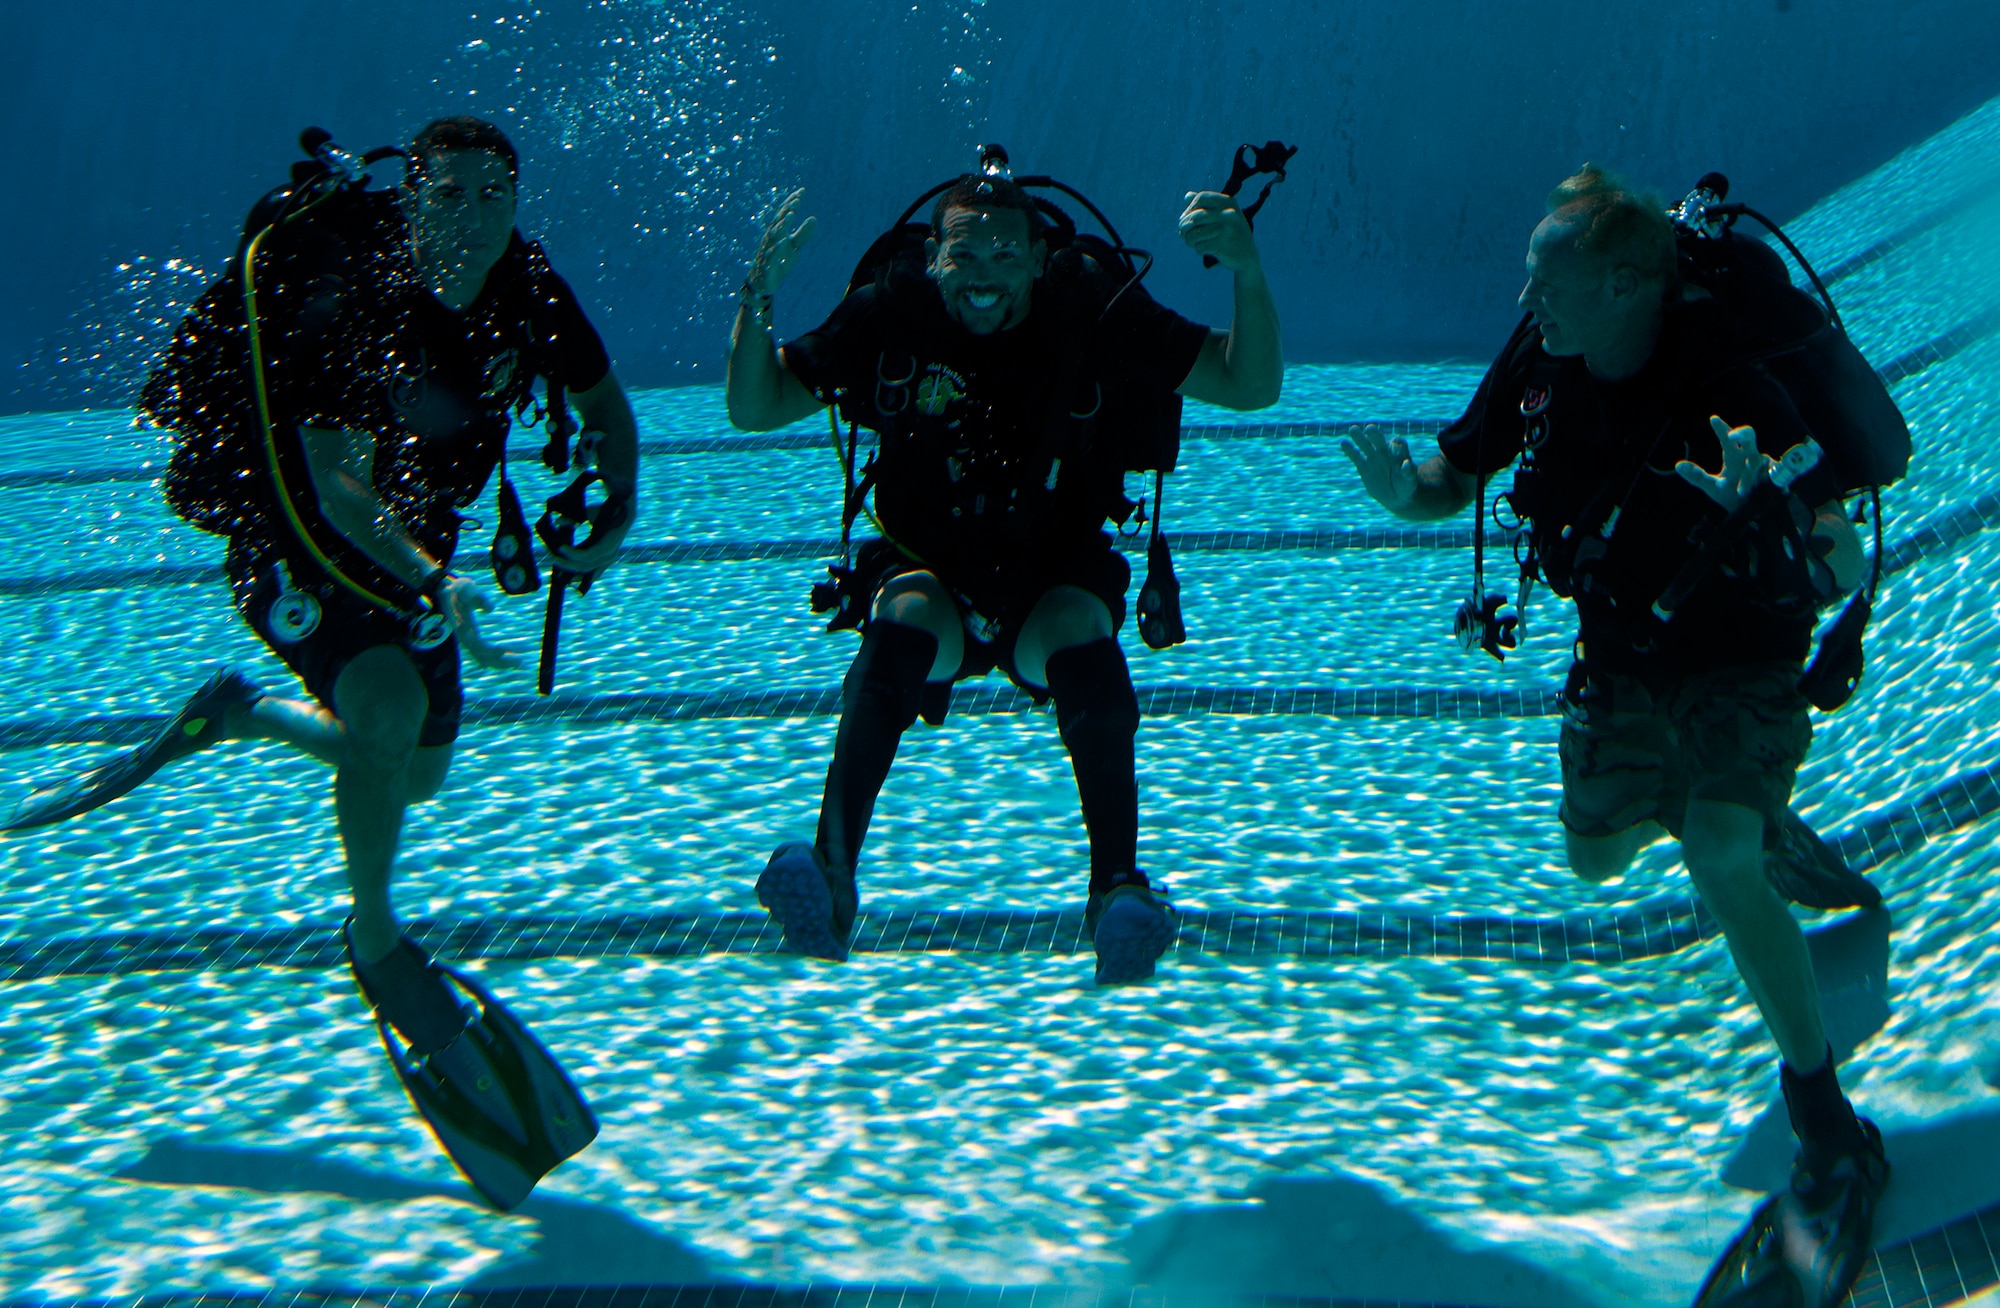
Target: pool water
x=1429, y=1129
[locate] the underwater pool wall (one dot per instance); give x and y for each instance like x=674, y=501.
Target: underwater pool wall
x=654, y=129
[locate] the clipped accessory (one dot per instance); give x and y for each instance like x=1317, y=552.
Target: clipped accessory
x=1479, y=626
x=1713, y=544
x=429, y=630
x=513, y=553
x=567, y=510
x=1270, y=157
x=1160, y=624
x=294, y=614
x=560, y=427
x=1838, y=664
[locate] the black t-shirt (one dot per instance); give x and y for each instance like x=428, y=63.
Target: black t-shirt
x=1600, y=466
x=363, y=345
x=980, y=453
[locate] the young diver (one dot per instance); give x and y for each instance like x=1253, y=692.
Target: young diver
x=392, y=339
x=1607, y=393
x=982, y=359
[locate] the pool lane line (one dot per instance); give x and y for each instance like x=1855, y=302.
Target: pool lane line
x=1937, y=350
x=1942, y=1266
x=1648, y=931
x=760, y=551
x=760, y=442
x=1875, y=251
x=1933, y=535
x=984, y=700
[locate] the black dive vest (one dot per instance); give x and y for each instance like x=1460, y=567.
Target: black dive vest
x=993, y=445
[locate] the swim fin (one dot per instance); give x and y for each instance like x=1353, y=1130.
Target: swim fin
x=1807, y=1245
x=197, y=726
x=1806, y=870
x=501, y=1107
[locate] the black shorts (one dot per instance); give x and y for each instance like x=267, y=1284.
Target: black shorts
x=994, y=603
x=348, y=627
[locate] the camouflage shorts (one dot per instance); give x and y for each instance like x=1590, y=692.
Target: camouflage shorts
x=1637, y=748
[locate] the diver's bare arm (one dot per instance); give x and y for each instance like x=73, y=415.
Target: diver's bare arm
x=1243, y=368
x=1442, y=491
x=1419, y=492
x=604, y=408
x=761, y=391
x=342, y=464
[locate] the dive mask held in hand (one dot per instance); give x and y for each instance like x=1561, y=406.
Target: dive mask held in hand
x=1270, y=157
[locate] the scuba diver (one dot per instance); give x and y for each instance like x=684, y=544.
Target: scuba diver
x=1624, y=390
x=337, y=400
x=1011, y=367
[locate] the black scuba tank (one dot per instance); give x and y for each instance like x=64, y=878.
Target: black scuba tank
x=1797, y=339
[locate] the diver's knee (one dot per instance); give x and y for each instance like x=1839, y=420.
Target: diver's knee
x=1065, y=618
x=381, y=702
x=1092, y=687
x=1068, y=616
x=886, y=680
x=1597, y=859
x=1723, y=847
x=919, y=601
x=428, y=768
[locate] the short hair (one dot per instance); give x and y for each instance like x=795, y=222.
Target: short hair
x=986, y=194
x=1618, y=223
x=462, y=132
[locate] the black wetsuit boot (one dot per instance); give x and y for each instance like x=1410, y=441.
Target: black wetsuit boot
x=811, y=890
x=1807, y=1245
x=1097, y=712
x=413, y=997
x=1836, y=1183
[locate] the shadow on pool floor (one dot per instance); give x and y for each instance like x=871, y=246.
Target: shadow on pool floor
x=1336, y=1237
x=578, y=1243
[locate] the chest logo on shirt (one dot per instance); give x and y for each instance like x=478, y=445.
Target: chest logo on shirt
x=939, y=390
x=500, y=374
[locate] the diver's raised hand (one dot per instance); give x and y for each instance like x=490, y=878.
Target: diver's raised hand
x=459, y=600
x=779, y=248
x=1387, y=472
x=1743, y=465
x=1214, y=224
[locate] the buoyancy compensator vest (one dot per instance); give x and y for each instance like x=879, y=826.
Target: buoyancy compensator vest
x=1092, y=428
x=1799, y=341
x=237, y=467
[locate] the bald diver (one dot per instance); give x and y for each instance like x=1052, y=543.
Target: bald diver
x=1653, y=401
x=337, y=400
x=1013, y=370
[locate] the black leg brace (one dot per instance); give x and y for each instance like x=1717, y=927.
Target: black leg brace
x=879, y=701
x=1097, y=712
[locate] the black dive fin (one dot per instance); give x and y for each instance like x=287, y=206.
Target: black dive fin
x=197, y=726
x=1790, y=1256
x=535, y=1116
x=1806, y=870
